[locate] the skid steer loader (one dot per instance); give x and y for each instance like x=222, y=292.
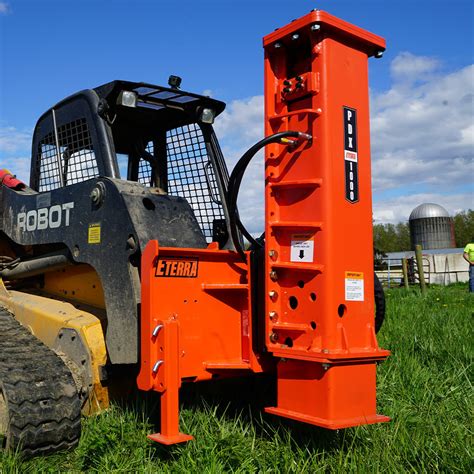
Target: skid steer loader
x=125, y=254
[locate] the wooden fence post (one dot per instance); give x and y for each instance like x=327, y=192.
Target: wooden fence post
x=405, y=272
x=419, y=264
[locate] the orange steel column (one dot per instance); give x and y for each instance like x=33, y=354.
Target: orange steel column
x=319, y=262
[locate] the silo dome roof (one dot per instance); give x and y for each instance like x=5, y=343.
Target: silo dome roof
x=427, y=210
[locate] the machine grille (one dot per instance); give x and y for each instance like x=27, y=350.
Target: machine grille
x=77, y=157
x=190, y=174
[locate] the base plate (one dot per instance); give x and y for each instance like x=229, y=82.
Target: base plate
x=329, y=424
x=169, y=440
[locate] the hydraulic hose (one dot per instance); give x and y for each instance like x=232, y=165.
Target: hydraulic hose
x=236, y=179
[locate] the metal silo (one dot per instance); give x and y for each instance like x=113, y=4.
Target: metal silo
x=431, y=227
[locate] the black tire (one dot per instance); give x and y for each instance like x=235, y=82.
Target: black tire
x=379, y=303
x=40, y=410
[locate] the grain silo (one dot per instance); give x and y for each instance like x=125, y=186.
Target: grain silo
x=431, y=227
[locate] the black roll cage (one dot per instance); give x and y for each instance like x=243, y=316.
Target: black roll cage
x=115, y=129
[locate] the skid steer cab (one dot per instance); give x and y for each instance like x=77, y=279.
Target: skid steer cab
x=125, y=257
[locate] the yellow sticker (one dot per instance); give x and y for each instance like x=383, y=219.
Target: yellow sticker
x=94, y=234
x=355, y=275
x=354, y=285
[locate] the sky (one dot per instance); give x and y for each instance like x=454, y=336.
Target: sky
x=422, y=90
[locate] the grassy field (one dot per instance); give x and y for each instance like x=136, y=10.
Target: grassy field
x=425, y=386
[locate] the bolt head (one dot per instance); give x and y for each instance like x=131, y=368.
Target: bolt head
x=378, y=54
x=295, y=36
x=273, y=275
x=95, y=195
x=273, y=337
x=315, y=27
x=277, y=45
x=273, y=315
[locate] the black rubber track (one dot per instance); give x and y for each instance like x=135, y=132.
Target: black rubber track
x=379, y=303
x=43, y=405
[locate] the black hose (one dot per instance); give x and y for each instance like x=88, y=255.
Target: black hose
x=236, y=179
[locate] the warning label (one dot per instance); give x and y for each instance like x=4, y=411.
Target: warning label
x=302, y=248
x=354, y=286
x=94, y=234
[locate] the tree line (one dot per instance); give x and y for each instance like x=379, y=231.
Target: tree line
x=396, y=237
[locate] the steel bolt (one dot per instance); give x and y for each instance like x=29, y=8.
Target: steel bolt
x=273, y=315
x=277, y=45
x=95, y=195
x=315, y=27
x=273, y=294
x=325, y=366
x=378, y=54
x=295, y=36
x=273, y=337
x=273, y=275
x=131, y=243
x=325, y=351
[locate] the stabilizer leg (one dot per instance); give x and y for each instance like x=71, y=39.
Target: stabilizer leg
x=167, y=370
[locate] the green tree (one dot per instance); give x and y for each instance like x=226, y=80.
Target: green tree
x=391, y=238
x=464, y=227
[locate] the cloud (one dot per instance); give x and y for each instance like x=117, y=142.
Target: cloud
x=398, y=209
x=407, y=67
x=13, y=140
x=238, y=128
x=422, y=134
x=241, y=125
x=4, y=8
x=15, y=149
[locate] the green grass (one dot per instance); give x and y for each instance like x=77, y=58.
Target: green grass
x=425, y=386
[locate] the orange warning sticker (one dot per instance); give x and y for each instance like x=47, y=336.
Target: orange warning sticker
x=354, y=286
x=355, y=275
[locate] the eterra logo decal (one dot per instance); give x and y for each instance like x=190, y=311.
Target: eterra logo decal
x=174, y=267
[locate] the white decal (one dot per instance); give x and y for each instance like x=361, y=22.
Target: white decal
x=302, y=248
x=354, y=285
x=45, y=218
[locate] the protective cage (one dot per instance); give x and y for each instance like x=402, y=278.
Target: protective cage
x=66, y=155
x=190, y=174
x=76, y=156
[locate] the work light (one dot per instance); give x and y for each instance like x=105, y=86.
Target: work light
x=207, y=116
x=127, y=99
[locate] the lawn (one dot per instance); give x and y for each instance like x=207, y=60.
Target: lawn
x=425, y=386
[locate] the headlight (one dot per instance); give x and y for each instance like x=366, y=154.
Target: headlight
x=207, y=116
x=127, y=99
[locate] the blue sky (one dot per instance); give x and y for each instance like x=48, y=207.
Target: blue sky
x=422, y=90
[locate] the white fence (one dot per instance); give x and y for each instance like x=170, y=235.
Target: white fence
x=439, y=268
